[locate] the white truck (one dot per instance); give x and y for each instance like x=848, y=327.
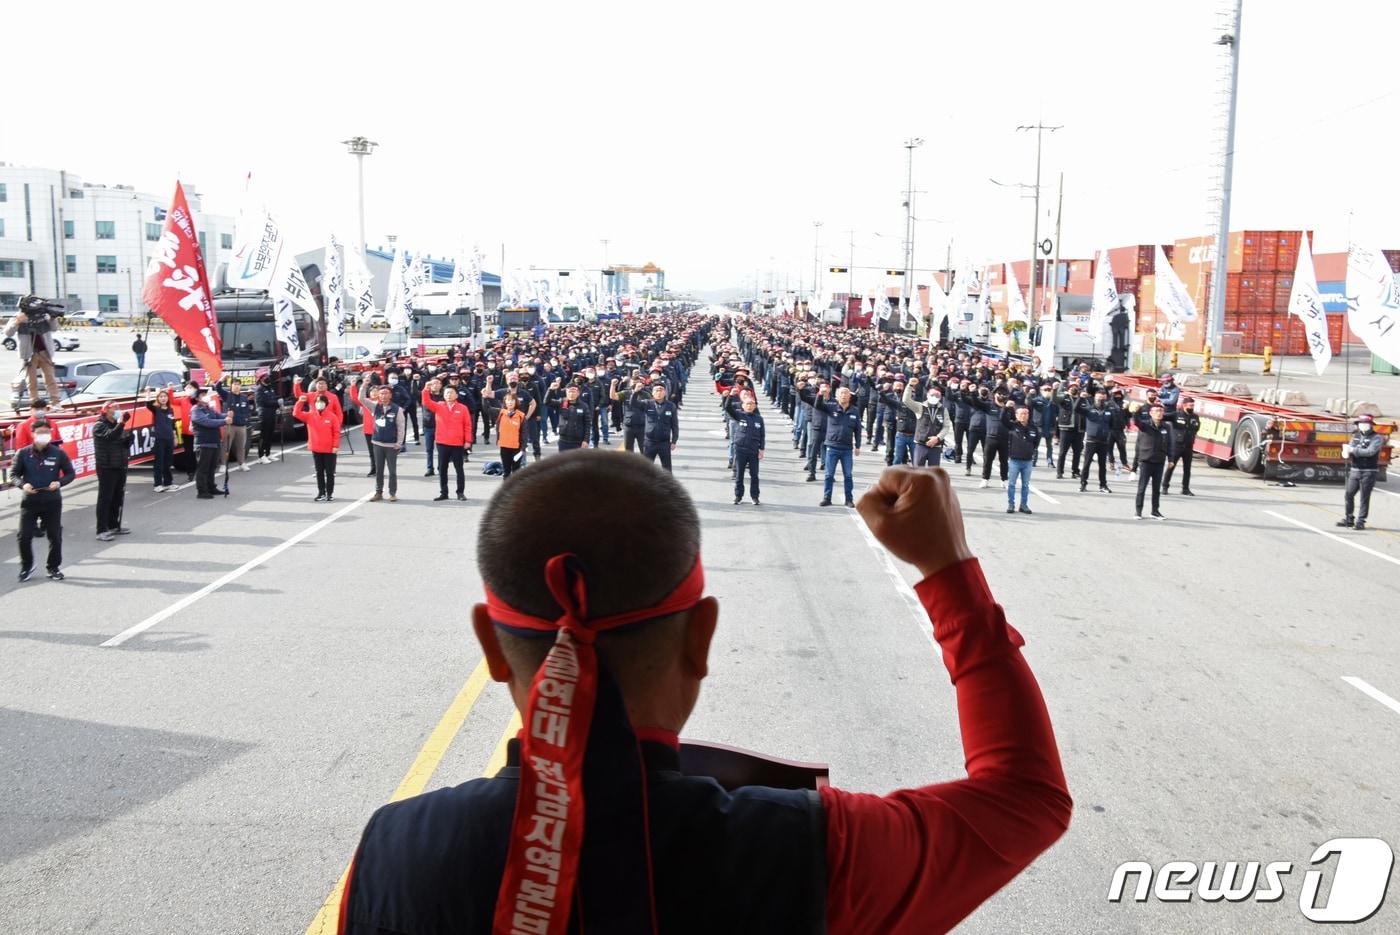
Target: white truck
x=1074, y=340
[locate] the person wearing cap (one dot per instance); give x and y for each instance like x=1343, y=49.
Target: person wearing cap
x=933, y=428
x=365, y=388
x=111, y=453
x=1069, y=422
x=1118, y=440
x=510, y=426
x=903, y=419
x=1000, y=414
x=1363, y=454
x=269, y=403
x=1022, y=445
x=41, y=469
x=163, y=420
x=208, y=425
x=575, y=415
x=816, y=449
x=749, y=441
x=240, y=406
x=38, y=412
x=35, y=351
x=842, y=444
x=633, y=419
x=597, y=824
x=1169, y=395
x=1098, y=436
x=1154, y=441
x=661, y=424
x=1185, y=426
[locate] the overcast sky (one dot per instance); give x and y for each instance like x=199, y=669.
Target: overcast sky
x=708, y=137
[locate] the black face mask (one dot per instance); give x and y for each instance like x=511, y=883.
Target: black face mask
x=514, y=384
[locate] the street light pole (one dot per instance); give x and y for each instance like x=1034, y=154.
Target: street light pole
x=360, y=147
x=910, y=144
x=1220, y=275
x=817, y=261
x=1039, y=129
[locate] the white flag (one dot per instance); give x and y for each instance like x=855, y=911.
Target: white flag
x=285, y=321
x=915, y=315
x=333, y=289
x=1306, y=302
x=941, y=306
x=361, y=283
x=1171, y=295
x=461, y=290
x=262, y=261
x=984, y=303
x=1373, y=302
x=882, y=307
x=1015, y=303
x=1105, y=301
x=396, y=300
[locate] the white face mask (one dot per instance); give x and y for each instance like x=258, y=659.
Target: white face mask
x=935, y=400
x=1365, y=427
x=41, y=439
x=321, y=406
x=393, y=381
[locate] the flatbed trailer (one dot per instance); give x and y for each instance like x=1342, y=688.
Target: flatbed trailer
x=1277, y=442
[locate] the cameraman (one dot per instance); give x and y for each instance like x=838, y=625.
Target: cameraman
x=111, y=448
x=32, y=324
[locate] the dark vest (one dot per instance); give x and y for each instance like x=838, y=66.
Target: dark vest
x=389, y=431
x=750, y=860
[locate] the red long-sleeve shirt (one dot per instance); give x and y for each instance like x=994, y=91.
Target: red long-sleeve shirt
x=454, y=421
x=919, y=860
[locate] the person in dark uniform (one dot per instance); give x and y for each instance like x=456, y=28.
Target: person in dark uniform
x=576, y=417
x=269, y=404
x=1022, y=445
x=1153, y=446
x=749, y=441
x=1185, y=426
x=111, y=450
x=614, y=829
x=1363, y=454
x=1098, y=437
x=815, y=398
x=1000, y=413
x=1069, y=422
x=661, y=424
x=633, y=419
x=41, y=469
x=842, y=444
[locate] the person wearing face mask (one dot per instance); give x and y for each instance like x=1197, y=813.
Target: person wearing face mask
x=269, y=404
x=1043, y=414
x=208, y=424
x=749, y=433
x=575, y=415
x=111, y=449
x=594, y=392
x=1185, y=426
x=240, y=406
x=961, y=394
x=323, y=423
x=386, y=442
x=980, y=400
x=1069, y=422
x=1022, y=446
x=454, y=435
x=1119, y=438
x=40, y=470
x=1363, y=454
x=163, y=438
x=510, y=425
x=933, y=428
x=366, y=389
x=1098, y=436
x=1001, y=413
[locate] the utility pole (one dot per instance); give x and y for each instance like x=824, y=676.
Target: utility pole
x=910, y=144
x=1059, y=216
x=851, y=270
x=359, y=147
x=1039, y=129
x=1220, y=275
x=817, y=260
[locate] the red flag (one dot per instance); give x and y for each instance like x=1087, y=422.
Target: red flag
x=177, y=287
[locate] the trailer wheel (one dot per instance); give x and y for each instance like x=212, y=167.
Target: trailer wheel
x=1216, y=462
x=1249, y=453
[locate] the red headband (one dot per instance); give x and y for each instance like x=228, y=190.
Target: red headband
x=541, y=870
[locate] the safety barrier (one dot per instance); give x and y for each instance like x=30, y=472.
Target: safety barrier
x=1282, y=397
x=1229, y=388
x=1351, y=407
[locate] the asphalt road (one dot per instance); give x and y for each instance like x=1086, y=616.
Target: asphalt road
x=212, y=772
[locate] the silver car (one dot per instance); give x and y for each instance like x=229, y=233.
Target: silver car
x=73, y=377
x=125, y=383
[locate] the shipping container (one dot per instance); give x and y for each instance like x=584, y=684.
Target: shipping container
x=1394, y=257
x=1082, y=269
x=1330, y=267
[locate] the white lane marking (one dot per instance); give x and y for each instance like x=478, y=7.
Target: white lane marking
x=1044, y=496
x=247, y=566
x=1388, y=493
x=1365, y=687
x=1328, y=535
x=900, y=585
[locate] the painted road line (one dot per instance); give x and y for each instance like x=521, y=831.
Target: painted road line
x=237, y=573
x=1044, y=496
x=498, y=756
x=1335, y=538
x=900, y=585
x=1366, y=688
x=1388, y=493
x=327, y=918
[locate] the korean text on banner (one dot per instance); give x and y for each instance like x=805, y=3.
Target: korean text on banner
x=177, y=287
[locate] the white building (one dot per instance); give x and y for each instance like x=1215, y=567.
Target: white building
x=87, y=245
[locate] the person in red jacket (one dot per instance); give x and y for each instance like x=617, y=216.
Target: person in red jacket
x=322, y=437
x=603, y=642
x=366, y=425
x=453, y=432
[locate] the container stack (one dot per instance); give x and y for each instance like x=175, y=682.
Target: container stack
x=1135, y=274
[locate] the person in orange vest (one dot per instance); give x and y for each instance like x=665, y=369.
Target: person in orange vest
x=509, y=424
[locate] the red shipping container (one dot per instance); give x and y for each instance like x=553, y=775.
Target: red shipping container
x=1082, y=269
x=1394, y=257
x=1331, y=267
x=1126, y=286
x=1334, y=331
x=1264, y=284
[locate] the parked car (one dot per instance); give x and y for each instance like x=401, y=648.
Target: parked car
x=350, y=352
x=125, y=383
x=73, y=377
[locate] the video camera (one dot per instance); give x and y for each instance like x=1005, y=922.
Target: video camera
x=38, y=313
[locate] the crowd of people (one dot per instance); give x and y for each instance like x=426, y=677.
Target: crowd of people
x=849, y=395
x=848, y=392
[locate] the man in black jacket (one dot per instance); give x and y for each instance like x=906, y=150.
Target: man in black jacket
x=1153, y=447
x=1070, y=424
x=749, y=439
x=111, y=449
x=1185, y=425
x=1000, y=413
x=1098, y=436
x=40, y=470
x=1022, y=444
x=815, y=398
x=842, y=444
x=1363, y=454
x=575, y=415
x=269, y=405
x=661, y=424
